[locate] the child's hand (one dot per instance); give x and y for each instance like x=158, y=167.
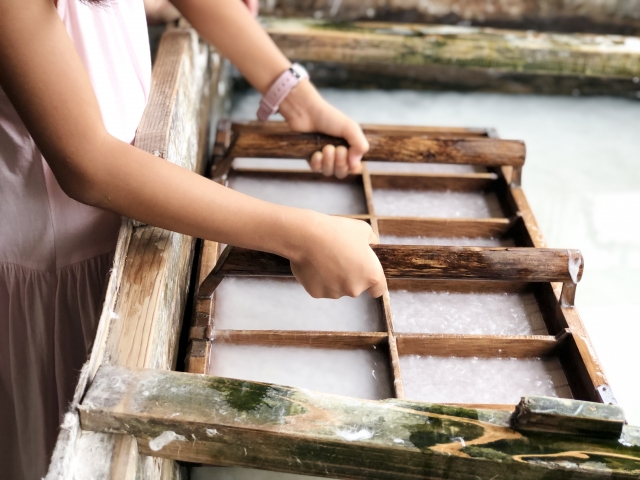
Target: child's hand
x=335, y=258
x=306, y=111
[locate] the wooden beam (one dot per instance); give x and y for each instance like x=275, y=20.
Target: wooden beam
x=596, y=16
x=402, y=45
x=142, y=314
x=483, y=346
x=383, y=147
x=444, y=227
x=303, y=339
x=426, y=262
x=370, y=128
x=571, y=417
x=204, y=419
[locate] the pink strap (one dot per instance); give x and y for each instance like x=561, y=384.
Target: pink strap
x=279, y=90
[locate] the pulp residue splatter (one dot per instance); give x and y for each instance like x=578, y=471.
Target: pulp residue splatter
x=164, y=439
x=355, y=435
x=574, y=266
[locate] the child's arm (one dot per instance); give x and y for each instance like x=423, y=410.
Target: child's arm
x=229, y=26
x=46, y=82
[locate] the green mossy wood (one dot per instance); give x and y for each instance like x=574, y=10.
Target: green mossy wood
x=411, y=45
x=596, y=16
x=568, y=416
x=232, y=422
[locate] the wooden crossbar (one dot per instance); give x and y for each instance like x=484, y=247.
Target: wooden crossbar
x=395, y=147
x=429, y=263
x=233, y=422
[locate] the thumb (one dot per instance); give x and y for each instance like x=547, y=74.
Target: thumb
x=358, y=145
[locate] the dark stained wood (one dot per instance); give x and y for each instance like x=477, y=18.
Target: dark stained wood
x=422, y=181
x=458, y=286
x=249, y=424
x=292, y=175
x=444, y=227
x=428, y=262
x=388, y=148
x=524, y=211
x=484, y=346
x=583, y=363
x=432, y=132
x=570, y=417
x=303, y=339
x=568, y=295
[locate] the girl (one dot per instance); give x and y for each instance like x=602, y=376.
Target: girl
x=74, y=80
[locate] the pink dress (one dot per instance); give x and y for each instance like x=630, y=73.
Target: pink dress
x=55, y=253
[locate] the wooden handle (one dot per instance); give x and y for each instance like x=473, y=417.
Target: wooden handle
x=387, y=147
x=426, y=262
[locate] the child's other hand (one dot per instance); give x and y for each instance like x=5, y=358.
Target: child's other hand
x=335, y=259
x=306, y=111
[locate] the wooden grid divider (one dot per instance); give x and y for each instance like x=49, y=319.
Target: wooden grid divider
x=567, y=339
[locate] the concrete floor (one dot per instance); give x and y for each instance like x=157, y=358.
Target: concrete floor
x=582, y=178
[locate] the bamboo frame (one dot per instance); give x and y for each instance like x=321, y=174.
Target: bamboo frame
x=490, y=269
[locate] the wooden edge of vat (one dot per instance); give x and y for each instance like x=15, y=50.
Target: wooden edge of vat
x=405, y=47
x=592, y=16
x=215, y=420
x=571, y=417
x=142, y=314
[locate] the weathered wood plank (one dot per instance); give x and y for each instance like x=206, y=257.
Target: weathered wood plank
x=389, y=148
x=571, y=417
x=140, y=322
x=403, y=45
x=303, y=339
x=463, y=182
x=596, y=16
x=234, y=422
x=369, y=128
x=444, y=227
x=430, y=263
x=485, y=346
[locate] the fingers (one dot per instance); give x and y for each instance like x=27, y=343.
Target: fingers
x=328, y=159
x=340, y=167
x=316, y=162
x=358, y=145
x=378, y=289
x=379, y=286
x=373, y=238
